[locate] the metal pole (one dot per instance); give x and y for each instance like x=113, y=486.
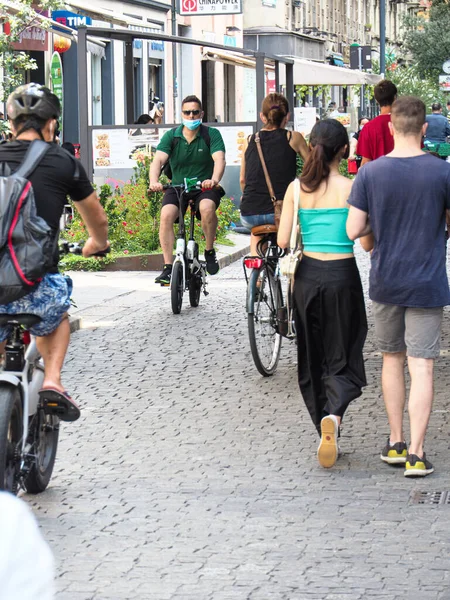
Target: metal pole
x=129, y=84
x=290, y=87
x=362, y=90
x=174, y=61
x=83, y=104
x=260, y=82
x=382, y=37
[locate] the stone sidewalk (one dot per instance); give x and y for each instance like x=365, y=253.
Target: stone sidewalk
x=93, y=289
x=191, y=477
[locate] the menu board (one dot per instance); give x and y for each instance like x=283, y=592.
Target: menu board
x=344, y=118
x=118, y=148
x=304, y=119
x=234, y=138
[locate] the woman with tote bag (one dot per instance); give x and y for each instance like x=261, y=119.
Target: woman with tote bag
x=268, y=166
x=329, y=310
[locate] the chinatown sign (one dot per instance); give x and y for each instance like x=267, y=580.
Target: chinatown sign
x=191, y=8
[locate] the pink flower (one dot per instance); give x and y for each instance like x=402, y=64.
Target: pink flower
x=129, y=231
x=124, y=223
x=125, y=251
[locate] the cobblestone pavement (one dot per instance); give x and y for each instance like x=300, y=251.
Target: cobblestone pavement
x=190, y=477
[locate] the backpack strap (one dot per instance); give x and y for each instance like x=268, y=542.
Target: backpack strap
x=33, y=157
x=204, y=132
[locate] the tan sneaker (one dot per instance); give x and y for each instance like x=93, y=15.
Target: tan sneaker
x=328, y=449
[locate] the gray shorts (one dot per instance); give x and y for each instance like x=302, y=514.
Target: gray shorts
x=417, y=330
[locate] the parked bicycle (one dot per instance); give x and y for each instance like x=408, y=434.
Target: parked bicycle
x=29, y=432
x=266, y=312
x=188, y=272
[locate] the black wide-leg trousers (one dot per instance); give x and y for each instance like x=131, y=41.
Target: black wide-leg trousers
x=331, y=324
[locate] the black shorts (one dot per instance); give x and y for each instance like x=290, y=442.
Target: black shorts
x=170, y=197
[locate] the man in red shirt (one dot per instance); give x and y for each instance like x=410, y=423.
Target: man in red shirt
x=375, y=139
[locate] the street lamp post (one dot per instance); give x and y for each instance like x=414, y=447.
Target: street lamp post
x=174, y=60
x=382, y=37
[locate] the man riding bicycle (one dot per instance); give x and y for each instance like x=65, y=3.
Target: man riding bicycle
x=34, y=111
x=192, y=150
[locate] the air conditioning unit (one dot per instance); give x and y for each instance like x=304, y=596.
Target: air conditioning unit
x=298, y=3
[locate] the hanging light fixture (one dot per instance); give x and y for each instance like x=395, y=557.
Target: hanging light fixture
x=61, y=44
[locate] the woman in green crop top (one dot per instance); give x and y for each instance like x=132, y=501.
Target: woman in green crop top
x=329, y=313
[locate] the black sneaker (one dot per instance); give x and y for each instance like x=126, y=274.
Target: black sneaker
x=212, y=264
x=164, y=278
x=417, y=467
x=394, y=455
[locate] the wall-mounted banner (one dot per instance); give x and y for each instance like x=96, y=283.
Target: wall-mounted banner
x=191, y=8
x=56, y=75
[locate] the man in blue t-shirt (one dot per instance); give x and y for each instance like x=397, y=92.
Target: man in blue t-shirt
x=404, y=199
x=438, y=126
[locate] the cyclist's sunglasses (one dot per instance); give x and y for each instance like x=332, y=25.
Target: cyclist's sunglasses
x=191, y=112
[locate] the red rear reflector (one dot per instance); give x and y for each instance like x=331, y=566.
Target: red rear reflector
x=26, y=337
x=253, y=263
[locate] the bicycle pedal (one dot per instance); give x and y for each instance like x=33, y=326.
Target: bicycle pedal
x=165, y=284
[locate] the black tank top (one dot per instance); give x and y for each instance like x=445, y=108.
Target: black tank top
x=280, y=160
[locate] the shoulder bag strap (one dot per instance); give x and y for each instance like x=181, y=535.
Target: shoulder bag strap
x=263, y=163
x=295, y=220
x=33, y=157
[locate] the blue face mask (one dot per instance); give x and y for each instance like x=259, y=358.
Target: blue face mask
x=192, y=124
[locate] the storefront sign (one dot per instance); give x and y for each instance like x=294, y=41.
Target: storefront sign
x=156, y=49
x=209, y=7
x=32, y=38
x=271, y=86
x=229, y=40
x=56, y=74
x=70, y=19
x=444, y=83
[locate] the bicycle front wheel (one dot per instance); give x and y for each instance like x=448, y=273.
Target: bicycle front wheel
x=266, y=298
x=177, y=288
x=11, y=432
x=44, y=436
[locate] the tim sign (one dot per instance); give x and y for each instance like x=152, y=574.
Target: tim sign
x=209, y=7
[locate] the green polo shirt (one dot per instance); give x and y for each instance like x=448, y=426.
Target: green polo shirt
x=194, y=159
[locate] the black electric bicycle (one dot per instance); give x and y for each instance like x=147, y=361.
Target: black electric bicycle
x=266, y=312
x=188, y=272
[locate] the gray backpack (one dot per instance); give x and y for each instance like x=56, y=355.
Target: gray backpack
x=26, y=240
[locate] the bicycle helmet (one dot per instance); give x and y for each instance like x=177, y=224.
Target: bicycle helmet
x=31, y=100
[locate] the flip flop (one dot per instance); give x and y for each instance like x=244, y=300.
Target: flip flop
x=60, y=404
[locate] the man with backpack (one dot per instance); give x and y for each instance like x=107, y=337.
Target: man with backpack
x=192, y=150
x=44, y=175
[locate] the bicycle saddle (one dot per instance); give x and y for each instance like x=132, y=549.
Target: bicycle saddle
x=264, y=229
x=21, y=319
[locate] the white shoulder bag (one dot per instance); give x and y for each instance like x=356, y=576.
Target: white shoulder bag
x=289, y=262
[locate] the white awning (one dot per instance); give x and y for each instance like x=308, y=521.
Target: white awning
x=307, y=72
x=235, y=59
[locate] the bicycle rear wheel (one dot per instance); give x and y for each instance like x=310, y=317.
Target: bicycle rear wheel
x=176, y=288
x=265, y=341
x=11, y=432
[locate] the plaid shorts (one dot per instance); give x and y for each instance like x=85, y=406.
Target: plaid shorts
x=50, y=300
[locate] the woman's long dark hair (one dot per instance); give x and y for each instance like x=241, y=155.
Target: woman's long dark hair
x=327, y=139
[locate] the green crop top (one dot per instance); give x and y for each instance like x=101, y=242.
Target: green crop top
x=323, y=230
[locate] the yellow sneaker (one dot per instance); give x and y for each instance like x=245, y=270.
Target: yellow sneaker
x=327, y=452
x=394, y=455
x=417, y=467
